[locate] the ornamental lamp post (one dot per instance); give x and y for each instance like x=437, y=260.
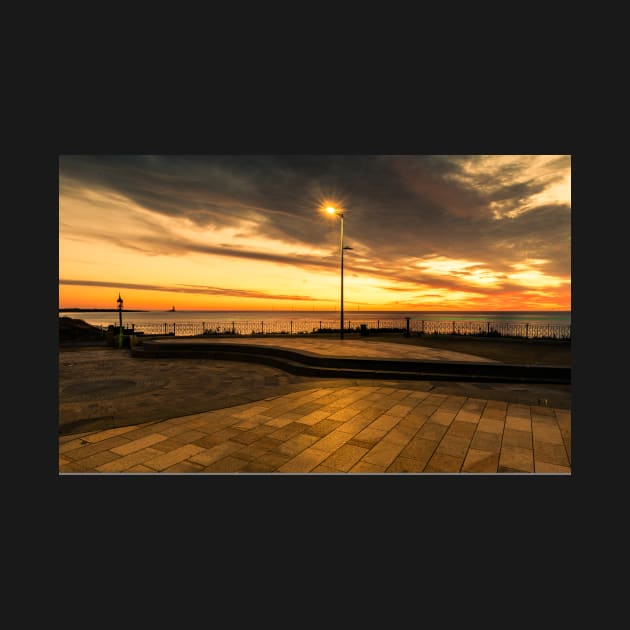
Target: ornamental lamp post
x=120, y=324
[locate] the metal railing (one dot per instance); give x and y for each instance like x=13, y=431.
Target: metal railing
x=374, y=326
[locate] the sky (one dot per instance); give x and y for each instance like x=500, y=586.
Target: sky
x=250, y=232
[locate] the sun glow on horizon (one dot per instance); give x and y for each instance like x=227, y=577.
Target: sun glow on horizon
x=198, y=246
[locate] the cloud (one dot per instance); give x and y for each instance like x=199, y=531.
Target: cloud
x=493, y=210
x=193, y=289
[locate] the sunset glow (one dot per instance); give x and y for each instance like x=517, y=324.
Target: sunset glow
x=254, y=232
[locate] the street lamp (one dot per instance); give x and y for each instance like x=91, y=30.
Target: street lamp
x=120, y=328
x=332, y=210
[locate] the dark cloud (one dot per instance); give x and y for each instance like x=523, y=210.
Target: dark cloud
x=397, y=208
x=193, y=289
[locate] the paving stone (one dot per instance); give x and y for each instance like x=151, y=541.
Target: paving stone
x=170, y=444
x=96, y=460
x=332, y=441
x=443, y=463
x=385, y=422
x=488, y=425
x=432, y=431
x=420, y=449
x=413, y=421
x=368, y=436
x=206, y=457
x=121, y=464
x=405, y=465
x=325, y=470
x=273, y=460
x=522, y=439
x=343, y=414
x=323, y=427
x=453, y=445
x=479, y=461
x=136, y=445
x=356, y=425
x=314, y=417
x=474, y=406
x=268, y=443
x=550, y=453
x=401, y=434
x=250, y=452
x=257, y=466
x=208, y=441
x=164, y=460
x=141, y=469
x=493, y=413
x=365, y=467
x=549, y=434
x=75, y=467
x=296, y=444
x=344, y=458
x=227, y=464
x=484, y=441
x=254, y=434
x=291, y=430
x=183, y=467
x=518, y=423
x=442, y=417
x=463, y=415
x=304, y=461
x=545, y=467
x=383, y=453
x=94, y=447
x=516, y=458
x=518, y=411
x=461, y=429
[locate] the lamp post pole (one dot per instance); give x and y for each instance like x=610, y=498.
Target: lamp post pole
x=332, y=210
x=341, y=247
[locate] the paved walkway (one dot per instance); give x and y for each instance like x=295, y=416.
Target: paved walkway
x=354, y=348
x=118, y=414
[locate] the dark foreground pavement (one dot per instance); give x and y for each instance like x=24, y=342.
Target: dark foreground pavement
x=118, y=413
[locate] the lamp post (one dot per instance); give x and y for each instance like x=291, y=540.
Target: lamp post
x=332, y=210
x=120, y=325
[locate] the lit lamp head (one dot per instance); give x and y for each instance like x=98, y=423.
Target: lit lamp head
x=333, y=210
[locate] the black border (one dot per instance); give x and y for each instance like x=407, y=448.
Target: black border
x=387, y=123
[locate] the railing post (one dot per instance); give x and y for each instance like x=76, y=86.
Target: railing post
x=407, y=334
x=527, y=330
x=164, y=327
x=291, y=327
x=173, y=329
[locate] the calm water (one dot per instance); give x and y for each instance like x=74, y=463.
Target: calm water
x=353, y=316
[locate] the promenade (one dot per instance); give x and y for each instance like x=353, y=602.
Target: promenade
x=167, y=415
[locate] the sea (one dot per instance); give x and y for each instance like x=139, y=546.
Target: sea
x=306, y=320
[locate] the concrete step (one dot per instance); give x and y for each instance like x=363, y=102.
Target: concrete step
x=307, y=364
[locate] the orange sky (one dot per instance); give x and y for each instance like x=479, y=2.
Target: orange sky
x=249, y=233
